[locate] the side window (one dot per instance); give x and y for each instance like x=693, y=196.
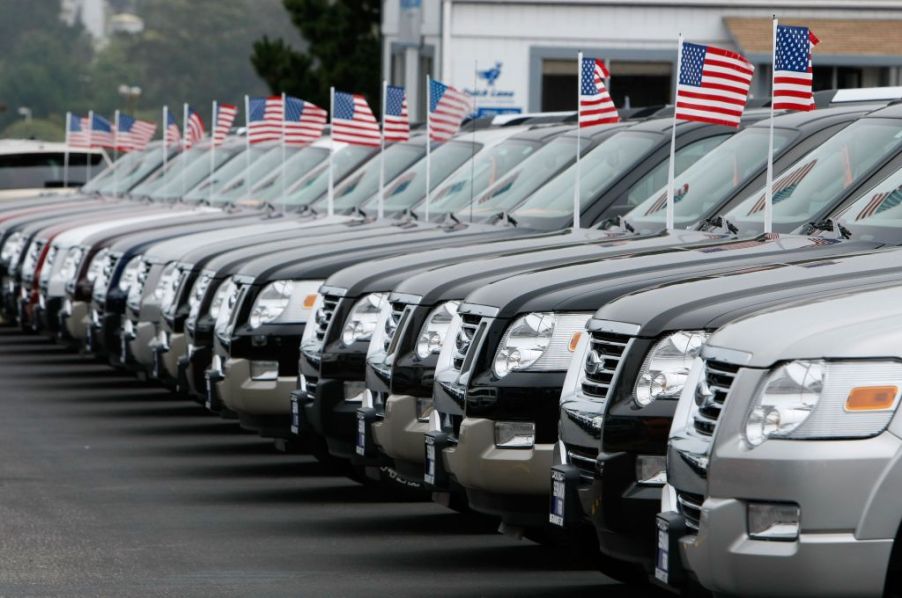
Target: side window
x=684, y=157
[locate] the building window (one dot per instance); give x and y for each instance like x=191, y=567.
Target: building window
x=632, y=83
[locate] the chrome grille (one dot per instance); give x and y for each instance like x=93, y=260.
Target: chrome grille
x=603, y=360
x=690, y=507
x=324, y=315
x=469, y=325
x=583, y=459
x=711, y=393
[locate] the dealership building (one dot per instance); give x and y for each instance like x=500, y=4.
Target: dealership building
x=520, y=55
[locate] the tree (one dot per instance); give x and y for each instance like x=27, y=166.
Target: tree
x=344, y=51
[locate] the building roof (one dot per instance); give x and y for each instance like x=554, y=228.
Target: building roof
x=838, y=37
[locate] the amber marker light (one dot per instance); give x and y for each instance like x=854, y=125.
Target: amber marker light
x=871, y=398
x=574, y=340
x=309, y=300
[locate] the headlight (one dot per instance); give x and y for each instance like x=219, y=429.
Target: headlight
x=361, y=321
x=219, y=298
x=284, y=301
x=435, y=329
x=311, y=341
x=810, y=399
x=130, y=274
x=197, y=293
x=224, y=313
x=47, y=269
x=667, y=366
x=10, y=247
x=540, y=341
x=386, y=326
x=69, y=268
x=136, y=290
x=166, y=276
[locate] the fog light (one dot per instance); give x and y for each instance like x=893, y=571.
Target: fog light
x=424, y=409
x=515, y=434
x=773, y=521
x=264, y=371
x=354, y=391
x=651, y=470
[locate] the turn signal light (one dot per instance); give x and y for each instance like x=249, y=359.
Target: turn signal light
x=574, y=340
x=871, y=398
x=309, y=300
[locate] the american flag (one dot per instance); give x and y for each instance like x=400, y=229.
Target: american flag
x=395, y=122
x=595, y=104
x=195, y=126
x=133, y=134
x=101, y=132
x=713, y=85
x=172, y=135
x=304, y=122
x=223, y=119
x=881, y=202
x=792, y=68
x=661, y=202
x=447, y=109
x=784, y=187
x=353, y=121
x=77, y=131
x=264, y=119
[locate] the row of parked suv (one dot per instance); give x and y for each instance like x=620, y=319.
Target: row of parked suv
x=710, y=407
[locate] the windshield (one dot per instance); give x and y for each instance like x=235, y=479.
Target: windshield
x=474, y=177
x=531, y=174
x=410, y=188
x=316, y=186
x=364, y=183
x=105, y=177
x=704, y=187
x=195, y=172
x=257, y=160
x=297, y=167
x=817, y=181
x=599, y=169
x=877, y=213
x=174, y=167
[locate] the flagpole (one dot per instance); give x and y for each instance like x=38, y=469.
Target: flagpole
x=670, y=165
x=184, y=141
x=282, y=175
x=381, y=209
x=66, y=153
x=247, y=135
x=331, y=198
x=165, y=141
x=90, y=145
x=115, y=153
x=769, y=181
x=577, y=200
x=428, y=142
x=212, y=150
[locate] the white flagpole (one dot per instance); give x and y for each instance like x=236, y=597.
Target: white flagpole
x=212, y=149
x=381, y=212
x=428, y=142
x=165, y=141
x=184, y=141
x=282, y=175
x=115, y=153
x=247, y=135
x=769, y=181
x=577, y=199
x=90, y=145
x=66, y=153
x=331, y=197
x=670, y=165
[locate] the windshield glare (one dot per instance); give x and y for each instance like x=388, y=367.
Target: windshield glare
x=703, y=187
x=297, y=167
x=877, y=213
x=104, y=178
x=253, y=162
x=599, y=169
x=478, y=174
x=195, y=172
x=364, y=184
x=817, y=181
x=410, y=187
x=315, y=186
x=174, y=167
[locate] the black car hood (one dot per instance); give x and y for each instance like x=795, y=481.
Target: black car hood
x=585, y=287
x=712, y=301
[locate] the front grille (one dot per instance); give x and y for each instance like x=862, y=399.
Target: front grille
x=690, y=507
x=468, y=326
x=584, y=460
x=711, y=394
x=324, y=316
x=603, y=362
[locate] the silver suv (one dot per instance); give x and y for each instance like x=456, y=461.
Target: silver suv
x=785, y=456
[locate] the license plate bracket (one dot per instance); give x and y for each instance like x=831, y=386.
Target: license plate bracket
x=565, y=509
x=670, y=527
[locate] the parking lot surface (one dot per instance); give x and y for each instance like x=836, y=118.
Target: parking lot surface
x=111, y=487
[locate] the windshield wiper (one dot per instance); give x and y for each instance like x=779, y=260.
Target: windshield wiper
x=503, y=218
x=829, y=225
x=720, y=222
x=623, y=223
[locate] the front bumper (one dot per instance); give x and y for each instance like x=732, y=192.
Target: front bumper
x=400, y=435
x=510, y=483
x=333, y=417
x=262, y=406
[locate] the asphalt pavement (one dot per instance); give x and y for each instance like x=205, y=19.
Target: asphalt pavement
x=111, y=487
